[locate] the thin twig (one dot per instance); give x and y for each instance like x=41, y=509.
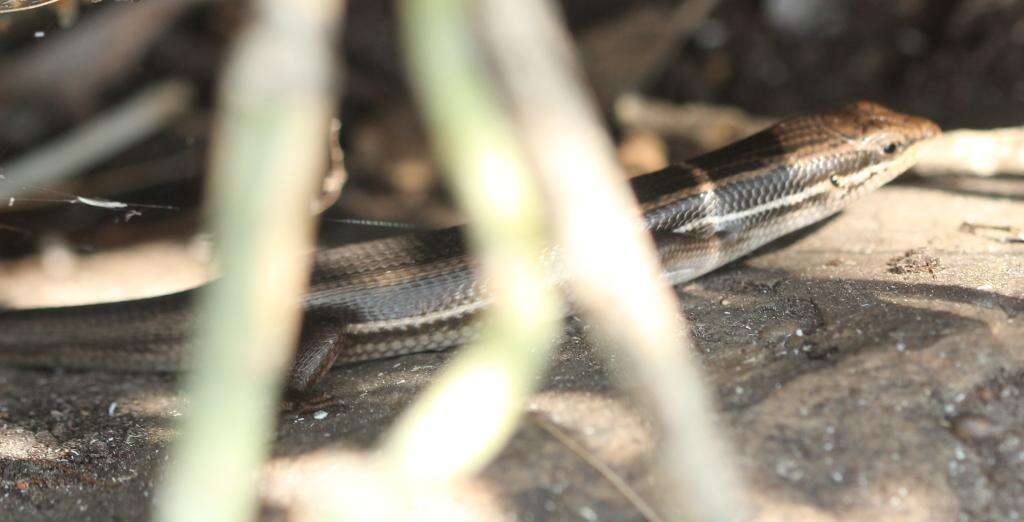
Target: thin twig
x=707, y=125
x=598, y=465
x=1000, y=233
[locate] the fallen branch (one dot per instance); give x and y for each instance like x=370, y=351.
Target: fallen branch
x=97, y=140
x=977, y=152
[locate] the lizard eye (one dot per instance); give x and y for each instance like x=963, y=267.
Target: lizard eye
x=891, y=147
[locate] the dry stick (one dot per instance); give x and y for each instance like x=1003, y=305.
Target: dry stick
x=613, y=270
x=707, y=125
x=98, y=140
x=462, y=421
x=337, y=175
x=13, y=6
x=268, y=158
x=685, y=20
x=977, y=152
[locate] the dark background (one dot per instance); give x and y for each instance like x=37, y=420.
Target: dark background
x=957, y=62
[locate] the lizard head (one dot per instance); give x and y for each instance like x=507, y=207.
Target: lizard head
x=872, y=144
x=798, y=170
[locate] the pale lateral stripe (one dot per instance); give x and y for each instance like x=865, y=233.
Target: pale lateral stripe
x=713, y=200
x=790, y=200
x=370, y=327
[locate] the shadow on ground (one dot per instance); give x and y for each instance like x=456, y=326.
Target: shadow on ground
x=849, y=391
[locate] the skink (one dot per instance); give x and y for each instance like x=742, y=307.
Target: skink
x=419, y=292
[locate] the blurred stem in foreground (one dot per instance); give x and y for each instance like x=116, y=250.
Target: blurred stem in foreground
x=613, y=270
x=268, y=157
x=469, y=413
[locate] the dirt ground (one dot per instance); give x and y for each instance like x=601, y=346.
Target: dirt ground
x=871, y=368
x=856, y=382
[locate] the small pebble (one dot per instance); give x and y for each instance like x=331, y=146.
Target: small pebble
x=588, y=513
x=58, y=430
x=45, y=437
